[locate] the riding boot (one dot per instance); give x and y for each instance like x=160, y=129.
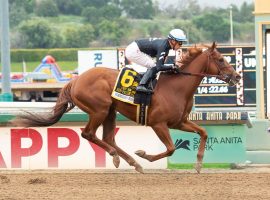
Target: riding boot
x=147, y=77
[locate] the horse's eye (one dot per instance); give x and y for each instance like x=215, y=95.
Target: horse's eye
x=221, y=60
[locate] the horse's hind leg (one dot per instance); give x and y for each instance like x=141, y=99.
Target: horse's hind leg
x=89, y=133
x=109, y=137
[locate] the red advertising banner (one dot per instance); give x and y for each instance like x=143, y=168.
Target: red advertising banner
x=64, y=148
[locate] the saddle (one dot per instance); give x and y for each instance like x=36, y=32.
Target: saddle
x=125, y=90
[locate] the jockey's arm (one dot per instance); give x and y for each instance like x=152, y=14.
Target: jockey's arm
x=161, y=57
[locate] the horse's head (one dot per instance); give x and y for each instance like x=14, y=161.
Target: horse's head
x=218, y=65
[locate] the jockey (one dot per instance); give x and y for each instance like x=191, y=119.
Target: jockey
x=141, y=52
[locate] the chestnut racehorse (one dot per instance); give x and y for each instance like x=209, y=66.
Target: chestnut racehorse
x=170, y=106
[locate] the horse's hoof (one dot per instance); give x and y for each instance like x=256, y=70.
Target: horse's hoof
x=140, y=153
x=139, y=168
x=116, y=161
x=84, y=136
x=198, y=167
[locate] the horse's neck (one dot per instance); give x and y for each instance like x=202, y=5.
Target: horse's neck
x=186, y=85
x=197, y=66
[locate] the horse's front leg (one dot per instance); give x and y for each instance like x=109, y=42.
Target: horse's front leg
x=190, y=126
x=163, y=133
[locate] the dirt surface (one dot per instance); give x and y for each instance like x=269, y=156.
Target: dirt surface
x=245, y=184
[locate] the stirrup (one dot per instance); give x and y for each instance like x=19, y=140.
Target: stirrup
x=143, y=89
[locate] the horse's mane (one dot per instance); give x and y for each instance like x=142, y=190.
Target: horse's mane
x=190, y=55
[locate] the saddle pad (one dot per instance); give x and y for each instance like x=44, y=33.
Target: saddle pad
x=125, y=86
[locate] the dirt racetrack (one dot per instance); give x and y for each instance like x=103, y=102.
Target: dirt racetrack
x=244, y=184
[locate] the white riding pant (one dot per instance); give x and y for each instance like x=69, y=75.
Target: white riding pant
x=133, y=54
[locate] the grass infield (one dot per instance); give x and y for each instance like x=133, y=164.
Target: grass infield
x=31, y=66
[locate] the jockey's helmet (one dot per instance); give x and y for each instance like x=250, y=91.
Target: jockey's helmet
x=178, y=35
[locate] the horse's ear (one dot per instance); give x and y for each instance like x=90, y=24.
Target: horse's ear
x=214, y=45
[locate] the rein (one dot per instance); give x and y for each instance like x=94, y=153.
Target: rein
x=199, y=74
x=219, y=76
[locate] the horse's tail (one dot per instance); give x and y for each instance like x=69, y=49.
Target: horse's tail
x=64, y=104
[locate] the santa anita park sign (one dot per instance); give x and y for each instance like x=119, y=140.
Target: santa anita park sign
x=225, y=144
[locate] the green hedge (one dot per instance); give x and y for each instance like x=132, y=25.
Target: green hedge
x=33, y=55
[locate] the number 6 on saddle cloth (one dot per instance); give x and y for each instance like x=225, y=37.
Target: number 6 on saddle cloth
x=125, y=90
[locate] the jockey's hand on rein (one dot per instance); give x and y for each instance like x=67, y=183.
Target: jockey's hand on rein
x=176, y=69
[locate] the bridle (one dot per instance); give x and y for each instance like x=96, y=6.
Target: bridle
x=220, y=66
